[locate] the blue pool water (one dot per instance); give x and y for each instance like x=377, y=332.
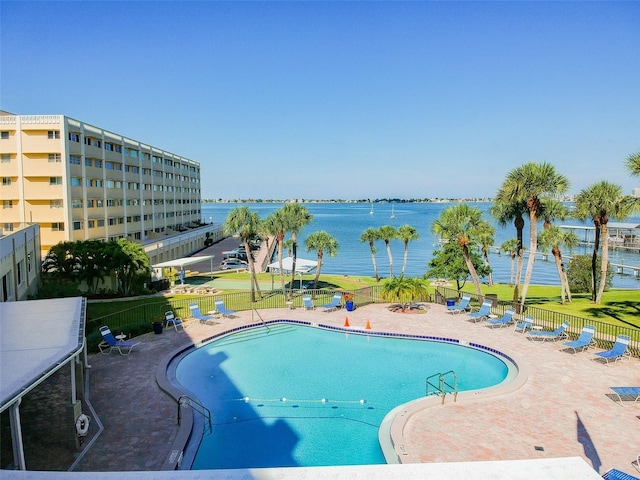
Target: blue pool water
x=297, y=395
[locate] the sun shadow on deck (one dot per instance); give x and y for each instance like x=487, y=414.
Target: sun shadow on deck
x=589, y=448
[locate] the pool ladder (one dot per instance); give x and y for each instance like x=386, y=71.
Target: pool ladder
x=442, y=387
x=185, y=400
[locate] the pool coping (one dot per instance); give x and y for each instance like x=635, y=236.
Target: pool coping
x=391, y=430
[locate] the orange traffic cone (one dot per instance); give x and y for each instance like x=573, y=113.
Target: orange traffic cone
x=346, y=322
x=368, y=327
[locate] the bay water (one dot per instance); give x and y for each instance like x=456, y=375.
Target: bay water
x=347, y=221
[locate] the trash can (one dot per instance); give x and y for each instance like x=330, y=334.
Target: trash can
x=349, y=306
x=451, y=302
x=157, y=328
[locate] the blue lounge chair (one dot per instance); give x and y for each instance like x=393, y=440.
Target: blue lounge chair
x=335, y=303
x=615, y=474
x=524, y=325
x=557, y=334
x=307, y=303
x=462, y=306
x=483, y=313
x=222, y=310
x=618, y=351
x=170, y=320
x=632, y=392
x=197, y=314
x=584, y=341
x=506, y=319
x=110, y=343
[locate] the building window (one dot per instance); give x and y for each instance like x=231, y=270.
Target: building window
x=55, y=203
x=99, y=183
x=117, y=166
x=88, y=162
x=75, y=181
x=97, y=143
x=5, y=158
x=6, y=286
x=55, y=180
x=20, y=271
x=77, y=225
x=118, y=148
x=57, y=227
x=134, y=153
x=7, y=204
x=108, y=165
x=73, y=137
x=91, y=223
x=91, y=203
x=101, y=223
x=74, y=160
x=88, y=182
x=55, y=158
x=29, y=262
x=99, y=203
x=6, y=181
x=53, y=134
x=110, y=184
x=97, y=164
x=112, y=221
x=76, y=203
x=108, y=147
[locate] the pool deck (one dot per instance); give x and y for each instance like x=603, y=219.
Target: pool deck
x=560, y=407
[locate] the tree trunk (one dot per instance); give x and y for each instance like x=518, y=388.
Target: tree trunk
x=373, y=259
x=604, y=267
x=386, y=242
x=533, y=248
x=558, y=260
x=406, y=254
x=594, y=261
x=472, y=270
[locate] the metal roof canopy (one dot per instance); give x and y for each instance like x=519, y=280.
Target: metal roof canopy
x=183, y=261
x=37, y=338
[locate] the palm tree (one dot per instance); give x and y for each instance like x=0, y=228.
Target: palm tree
x=275, y=225
x=530, y=183
x=388, y=233
x=296, y=217
x=403, y=290
x=322, y=243
x=462, y=224
x=370, y=235
x=633, y=163
x=599, y=202
x=407, y=233
x=247, y=225
x=504, y=210
x=485, y=239
x=554, y=237
x=510, y=246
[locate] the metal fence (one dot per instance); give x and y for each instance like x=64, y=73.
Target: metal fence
x=139, y=319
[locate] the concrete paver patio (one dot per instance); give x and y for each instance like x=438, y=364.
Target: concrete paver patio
x=560, y=408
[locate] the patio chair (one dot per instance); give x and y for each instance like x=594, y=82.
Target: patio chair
x=483, y=313
x=557, y=334
x=584, y=341
x=507, y=319
x=197, y=314
x=632, y=392
x=110, y=343
x=307, y=303
x=170, y=320
x=524, y=325
x=615, y=474
x=222, y=310
x=334, y=304
x=462, y=306
x=617, y=352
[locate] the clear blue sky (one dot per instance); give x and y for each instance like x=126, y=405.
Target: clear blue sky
x=341, y=99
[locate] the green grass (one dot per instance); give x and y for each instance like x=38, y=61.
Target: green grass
x=619, y=307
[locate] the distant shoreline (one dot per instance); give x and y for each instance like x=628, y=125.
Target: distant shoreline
x=340, y=200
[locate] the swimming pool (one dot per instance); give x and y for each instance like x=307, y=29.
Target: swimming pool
x=297, y=395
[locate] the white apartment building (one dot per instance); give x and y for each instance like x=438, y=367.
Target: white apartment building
x=81, y=182
x=19, y=263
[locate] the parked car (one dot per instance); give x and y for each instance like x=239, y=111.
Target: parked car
x=232, y=263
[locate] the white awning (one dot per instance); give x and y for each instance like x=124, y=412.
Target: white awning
x=302, y=265
x=183, y=261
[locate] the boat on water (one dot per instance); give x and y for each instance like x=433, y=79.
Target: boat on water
x=393, y=215
x=371, y=211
